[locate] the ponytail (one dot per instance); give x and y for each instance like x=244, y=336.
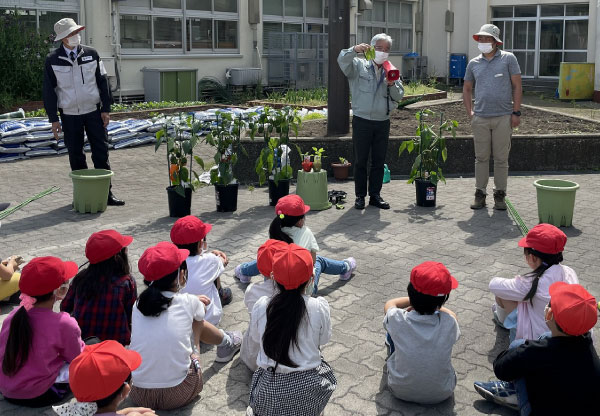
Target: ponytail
x=152, y=302
x=548, y=260
x=95, y=278
x=284, y=316
x=275, y=231
x=20, y=338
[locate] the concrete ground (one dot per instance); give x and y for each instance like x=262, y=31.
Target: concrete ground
x=474, y=245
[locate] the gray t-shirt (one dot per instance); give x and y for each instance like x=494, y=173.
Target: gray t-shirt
x=420, y=369
x=493, y=87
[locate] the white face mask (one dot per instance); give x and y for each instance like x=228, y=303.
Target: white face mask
x=380, y=57
x=485, y=47
x=74, y=41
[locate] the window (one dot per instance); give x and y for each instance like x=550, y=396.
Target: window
x=179, y=26
x=42, y=15
x=393, y=17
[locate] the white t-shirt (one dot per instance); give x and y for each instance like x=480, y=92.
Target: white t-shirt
x=314, y=331
x=254, y=292
x=203, y=270
x=302, y=237
x=420, y=369
x=164, y=341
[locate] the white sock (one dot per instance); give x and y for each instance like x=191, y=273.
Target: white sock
x=501, y=313
x=226, y=339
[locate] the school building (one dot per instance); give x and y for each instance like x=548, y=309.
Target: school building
x=192, y=39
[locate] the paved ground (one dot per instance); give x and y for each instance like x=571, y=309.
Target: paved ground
x=475, y=245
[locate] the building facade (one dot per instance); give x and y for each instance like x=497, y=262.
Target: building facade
x=214, y=35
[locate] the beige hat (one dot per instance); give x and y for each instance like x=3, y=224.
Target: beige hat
x=64, y=27
x=488, y=30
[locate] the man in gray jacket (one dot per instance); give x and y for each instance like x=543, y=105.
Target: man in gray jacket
x=373, y=98
x=75, y=86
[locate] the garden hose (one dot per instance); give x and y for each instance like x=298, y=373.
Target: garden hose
x=7, y=212
x=516, y=217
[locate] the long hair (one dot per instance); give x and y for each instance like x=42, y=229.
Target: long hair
x=284, y=316
x=94, y=279
x=152, y=302
x=20, y=338
x=548, y=260
x=275, y=231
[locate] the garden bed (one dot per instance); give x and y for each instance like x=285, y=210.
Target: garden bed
x=533, y=122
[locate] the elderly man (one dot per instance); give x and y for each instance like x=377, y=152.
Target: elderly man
x=497, y=78
x=75, y=86
x=373, y=98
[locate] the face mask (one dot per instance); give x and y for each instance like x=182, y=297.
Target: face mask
x=308, y=290
x=204, y=248
x=179, y=285
x=74, y=41
x=485, y=47
x=380, y=57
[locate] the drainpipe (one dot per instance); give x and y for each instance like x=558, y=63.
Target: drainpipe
x=597, y=78
x=448, y=35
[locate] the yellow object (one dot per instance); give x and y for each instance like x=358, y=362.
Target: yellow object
x=576, y=81
x=9, y=287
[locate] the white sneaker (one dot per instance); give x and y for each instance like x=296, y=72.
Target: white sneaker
x=351, y=261
x=241, y=276
x=226, y=352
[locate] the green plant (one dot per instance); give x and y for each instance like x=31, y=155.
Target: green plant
x=224, y=136
x=313, y=116
x=180, y=150
x=275, y=127
x=318, y=152
x=343, y=160
x=430, y=146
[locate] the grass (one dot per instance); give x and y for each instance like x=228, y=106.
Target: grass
x=120, y=108
x=416, y=88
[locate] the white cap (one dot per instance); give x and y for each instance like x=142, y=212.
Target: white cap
x=488, y=30
x=64, y=27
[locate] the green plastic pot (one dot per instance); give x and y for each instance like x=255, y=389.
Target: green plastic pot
x=556, y=201
x=90, y=189
x=312, y=188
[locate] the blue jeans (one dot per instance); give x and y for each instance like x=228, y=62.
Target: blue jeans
x=322, y=265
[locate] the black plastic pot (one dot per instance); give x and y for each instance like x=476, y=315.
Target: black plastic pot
x=226, y=197
x=278, y=191
x=179, y=206
x=426, y=193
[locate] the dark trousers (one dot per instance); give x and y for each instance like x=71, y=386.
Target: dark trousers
x=55, y=394
x=369, y=136
x=73, y=127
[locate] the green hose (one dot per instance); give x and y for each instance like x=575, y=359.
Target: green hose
x=516, y=217
x=7, y=212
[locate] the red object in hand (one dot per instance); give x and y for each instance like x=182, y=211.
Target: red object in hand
x=391, y=72
x=307, y=166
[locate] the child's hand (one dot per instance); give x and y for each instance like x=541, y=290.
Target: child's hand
x=135, y=411
x=223, y=256
x=204, y=299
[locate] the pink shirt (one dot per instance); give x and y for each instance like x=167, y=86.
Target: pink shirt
x=56, y=340
x=531, y=322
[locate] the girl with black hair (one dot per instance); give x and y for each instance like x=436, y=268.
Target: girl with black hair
x=289, y=226
x=36, y=343
x=292, y=377
x=102, y=295
x=520, y=301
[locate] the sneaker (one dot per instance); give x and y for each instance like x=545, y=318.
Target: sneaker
x=479, y=200
x=499, y=202
x=225, y=295
x=226, y=352
x=499, y=392
x=351, y=261
x=241, y=276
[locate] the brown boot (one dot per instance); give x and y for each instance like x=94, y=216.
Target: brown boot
x=479, y=200
x=499, y=202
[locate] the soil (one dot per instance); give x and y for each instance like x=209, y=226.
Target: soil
x=533, y=122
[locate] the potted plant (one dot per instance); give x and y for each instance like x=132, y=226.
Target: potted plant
x=180, y=149
x=224, y=135
x=317, y=156
x=273, y=162
x=426, y=170
x=340, y=170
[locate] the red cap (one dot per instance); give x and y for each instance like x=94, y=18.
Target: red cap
x=43, y=275
x=545, y=238
x=292, y=205
x=101, y=369
x=264, y=258
x=432, y=278
x=292, y=266
x=188, y=230
x=574, y=309
x=161, y=260
x=105, y=244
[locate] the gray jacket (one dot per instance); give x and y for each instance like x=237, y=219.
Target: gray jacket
x=371, y=100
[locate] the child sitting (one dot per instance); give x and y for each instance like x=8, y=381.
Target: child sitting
x=204, y=268
x=255, y=291
x=292, y=377
x=520, y=301
x=9, y=278
x=36, y=343
x=99, y=379
x=557, y=375
x=289, y=226
x=102, y=295
x=421, y=334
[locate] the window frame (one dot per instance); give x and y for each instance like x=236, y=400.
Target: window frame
x=386, y=26
x=39, y=6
